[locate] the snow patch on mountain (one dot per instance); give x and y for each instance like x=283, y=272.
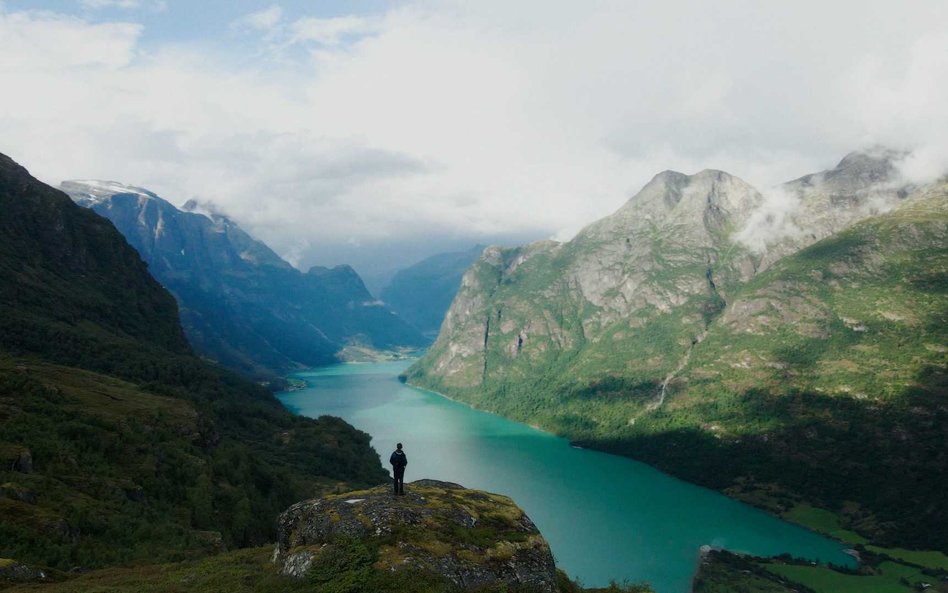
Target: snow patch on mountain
x=89, y=192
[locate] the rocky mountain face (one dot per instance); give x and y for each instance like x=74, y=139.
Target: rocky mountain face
x=117, y=444
x=422, y=293
x=661, y=266
x=662, y=333
x=438, y=531
x=240, y=303
x=818, y=205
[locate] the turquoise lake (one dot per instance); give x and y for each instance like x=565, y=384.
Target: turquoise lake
x=605, y=517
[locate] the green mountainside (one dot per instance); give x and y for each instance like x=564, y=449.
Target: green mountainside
x=241, y=304
x=422, y=293
x=815, y=376
x=117, y=444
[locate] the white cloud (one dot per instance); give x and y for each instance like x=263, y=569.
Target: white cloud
x=264, y=20
x=332, y=31
x=487, y=118
x=36, y=45
x=773, y=221
x=155, y=5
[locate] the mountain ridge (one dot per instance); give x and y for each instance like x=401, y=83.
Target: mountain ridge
x=241, y=304
x=422, y=292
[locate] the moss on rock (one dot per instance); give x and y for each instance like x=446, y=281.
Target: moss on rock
x=438, y=530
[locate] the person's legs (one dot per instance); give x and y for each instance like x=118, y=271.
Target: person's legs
x=400, y=480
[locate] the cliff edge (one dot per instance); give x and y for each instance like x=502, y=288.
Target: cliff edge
x=437, y=531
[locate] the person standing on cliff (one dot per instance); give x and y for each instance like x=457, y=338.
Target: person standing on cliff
x=399, y=460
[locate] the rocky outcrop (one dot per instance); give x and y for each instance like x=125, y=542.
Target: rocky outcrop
x=15, y=491
x=468, y=537
x=15, y=458
x=12, y=572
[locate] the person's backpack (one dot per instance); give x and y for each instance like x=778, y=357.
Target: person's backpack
x=398, y=459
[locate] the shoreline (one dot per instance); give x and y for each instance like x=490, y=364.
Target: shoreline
x=586, y=447
x=473, y=407
x=848, y=551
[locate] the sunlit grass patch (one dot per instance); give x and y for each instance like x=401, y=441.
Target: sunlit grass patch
x=823, y=521
x=926, y=559
x=824, y=580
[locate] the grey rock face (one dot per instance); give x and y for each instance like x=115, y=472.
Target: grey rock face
x=669, y=248
x=676, y=220
x=664, y=265
x=423, y=530
x=815, y=206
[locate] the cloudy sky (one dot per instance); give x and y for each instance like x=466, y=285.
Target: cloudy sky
x=377, y=132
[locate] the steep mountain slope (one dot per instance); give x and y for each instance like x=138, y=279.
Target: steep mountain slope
x=422, y=293
x=63, y=266
x=615, y=310
x=116, y=443
x=651, y=334
x=240, y=303
x=826, y=378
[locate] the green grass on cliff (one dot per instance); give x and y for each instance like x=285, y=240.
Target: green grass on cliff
x=250, y=571
x=243, y=571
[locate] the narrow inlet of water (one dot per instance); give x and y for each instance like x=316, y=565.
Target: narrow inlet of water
x=607, y=518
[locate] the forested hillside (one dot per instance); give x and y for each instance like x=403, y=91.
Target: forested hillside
x=117, y=443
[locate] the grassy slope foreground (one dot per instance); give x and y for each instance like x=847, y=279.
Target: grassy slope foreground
x=439, y=538
x=116, y=443
x=821, y=380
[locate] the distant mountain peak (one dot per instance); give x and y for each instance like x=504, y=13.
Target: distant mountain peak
x=798, y=213
x=241, y=303
x=876, y=154
x=89, y=192
x=877, y=164
x=205, y=208
x=705, y=202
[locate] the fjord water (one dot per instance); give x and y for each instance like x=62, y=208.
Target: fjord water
x=605, y=517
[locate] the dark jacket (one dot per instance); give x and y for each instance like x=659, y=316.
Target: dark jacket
x=398, y=459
